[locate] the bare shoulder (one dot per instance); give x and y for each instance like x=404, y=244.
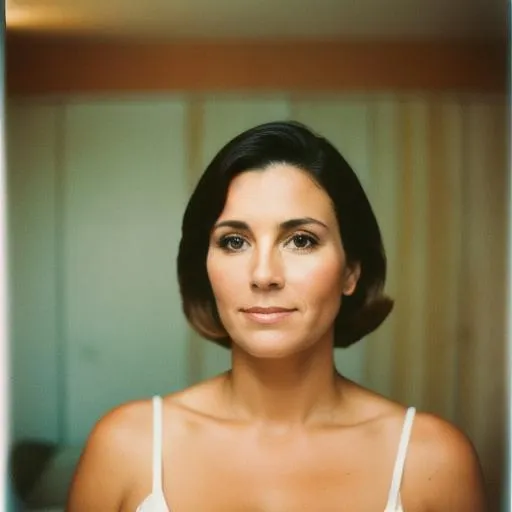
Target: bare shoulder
x=442, y=471
x=118, y=445
x=442, y=467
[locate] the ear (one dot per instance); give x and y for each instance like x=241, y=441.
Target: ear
x=352, y=273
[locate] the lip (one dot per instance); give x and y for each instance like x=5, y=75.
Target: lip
x=270, y=315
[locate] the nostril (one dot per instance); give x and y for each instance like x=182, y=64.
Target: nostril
x=267, y=284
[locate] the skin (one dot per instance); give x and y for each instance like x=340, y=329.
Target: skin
x=282, y=430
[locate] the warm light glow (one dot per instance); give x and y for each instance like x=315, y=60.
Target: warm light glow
x=18, y=17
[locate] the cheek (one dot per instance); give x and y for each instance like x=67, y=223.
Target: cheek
x=318, y=279
x=225, y=276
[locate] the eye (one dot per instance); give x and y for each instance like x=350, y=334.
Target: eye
x=232, y=243
x=302, y=241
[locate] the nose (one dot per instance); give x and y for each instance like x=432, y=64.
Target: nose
x=267, y=270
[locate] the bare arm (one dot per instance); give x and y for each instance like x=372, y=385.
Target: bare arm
x=447, y=472
x=103, y=473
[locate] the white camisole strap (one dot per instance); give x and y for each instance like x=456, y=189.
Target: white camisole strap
x=394, y=501
x=157, y=444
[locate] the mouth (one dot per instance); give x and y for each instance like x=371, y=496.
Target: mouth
x=268, y=315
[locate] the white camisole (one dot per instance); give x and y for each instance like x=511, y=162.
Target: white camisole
x=155, y=502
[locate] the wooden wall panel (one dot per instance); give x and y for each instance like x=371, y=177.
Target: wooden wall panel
x=62, y=66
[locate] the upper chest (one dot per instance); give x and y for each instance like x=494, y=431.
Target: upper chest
x=257, y=472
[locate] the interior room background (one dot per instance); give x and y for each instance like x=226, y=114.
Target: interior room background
x=105, y=143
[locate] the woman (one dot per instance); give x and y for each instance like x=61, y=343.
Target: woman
x=281, y=260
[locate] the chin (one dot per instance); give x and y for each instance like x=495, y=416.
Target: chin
x=271, y=345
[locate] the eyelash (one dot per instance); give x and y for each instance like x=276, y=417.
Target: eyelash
x=225, y=240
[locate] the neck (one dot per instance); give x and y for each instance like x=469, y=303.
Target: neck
x=297, y=390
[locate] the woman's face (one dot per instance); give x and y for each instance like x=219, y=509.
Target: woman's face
x=276, y=262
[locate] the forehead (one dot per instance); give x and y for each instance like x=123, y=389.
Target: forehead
x=280, y=191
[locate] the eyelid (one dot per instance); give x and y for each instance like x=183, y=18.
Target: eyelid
x=301, y=232
x=313, y=240
x=304, y=232
x=223, y=240
x=229, y=234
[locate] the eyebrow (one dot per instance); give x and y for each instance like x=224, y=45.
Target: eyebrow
x=284, y=226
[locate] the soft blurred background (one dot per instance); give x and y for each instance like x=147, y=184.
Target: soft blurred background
x=113, y=111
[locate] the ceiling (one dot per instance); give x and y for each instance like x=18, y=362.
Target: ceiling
x=262, y=19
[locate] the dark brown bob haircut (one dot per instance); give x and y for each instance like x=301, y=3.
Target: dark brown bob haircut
x=255, y=150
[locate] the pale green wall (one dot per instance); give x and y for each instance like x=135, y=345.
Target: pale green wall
x=31, y=158
x=97, y=191
x=123, y=198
